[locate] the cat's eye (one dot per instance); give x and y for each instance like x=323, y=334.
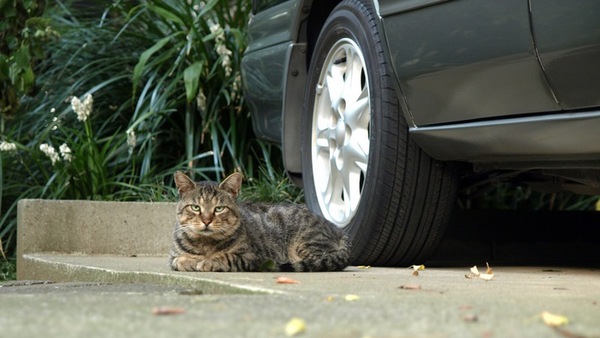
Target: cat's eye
x=195, y=207
x=219, y=208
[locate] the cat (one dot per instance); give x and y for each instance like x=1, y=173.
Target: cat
x=214, y=232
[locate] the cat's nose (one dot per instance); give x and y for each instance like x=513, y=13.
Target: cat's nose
x=206, y=220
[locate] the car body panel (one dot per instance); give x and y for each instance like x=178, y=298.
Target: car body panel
x=263, y=89
x=264, y=63
x=475, y=61
x=391, y=7
x=554, y=140
x=567, y=35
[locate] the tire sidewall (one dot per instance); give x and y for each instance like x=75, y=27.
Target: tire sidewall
x=351, y=19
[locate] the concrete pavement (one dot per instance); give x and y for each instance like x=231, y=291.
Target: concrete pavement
x=106, y=275
x=384, y=302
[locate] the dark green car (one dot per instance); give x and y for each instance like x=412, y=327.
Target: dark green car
x=378, y=104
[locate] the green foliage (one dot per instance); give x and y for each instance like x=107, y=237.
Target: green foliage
x=192, y=68
x=271, y=184
x=164, y=77
x=23, y=34
x=8, y=270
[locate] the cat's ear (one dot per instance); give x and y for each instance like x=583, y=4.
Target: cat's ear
x=183, y=182
x=232, y=184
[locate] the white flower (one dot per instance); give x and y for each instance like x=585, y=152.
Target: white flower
x=201, y=100
x=131, y=140
x=235, y=86
x=65, y=152
x=224, y=52
x=7, y=146
x=220, y=34
x=82, y=109
x=50, y=152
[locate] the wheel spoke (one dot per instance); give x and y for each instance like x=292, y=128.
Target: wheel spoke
x=354, y=70
x=357, y=114
x=334, y=84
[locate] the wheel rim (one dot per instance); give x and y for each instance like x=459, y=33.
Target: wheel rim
x=340, y=132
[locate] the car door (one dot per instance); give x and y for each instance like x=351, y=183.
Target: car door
x=567, y=37
x=264, y=63
x=465, y=60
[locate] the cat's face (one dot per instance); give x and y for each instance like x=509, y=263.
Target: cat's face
x=207, y=209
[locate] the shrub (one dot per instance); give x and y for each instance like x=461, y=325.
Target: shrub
x=164, y=80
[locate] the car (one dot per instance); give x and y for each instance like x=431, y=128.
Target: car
x=384, y=109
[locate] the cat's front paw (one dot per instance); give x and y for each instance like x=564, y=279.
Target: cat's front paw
x=214, y=265
x=185, y=263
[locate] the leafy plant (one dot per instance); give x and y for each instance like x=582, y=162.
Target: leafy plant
x=164, y=78
x=23, y=32
x=192, y=70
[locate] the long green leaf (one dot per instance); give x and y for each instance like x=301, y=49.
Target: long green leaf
x=165, y=13
x=191, y=78
x=139, y=67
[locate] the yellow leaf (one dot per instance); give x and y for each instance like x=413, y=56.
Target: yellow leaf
x=364, y=266
x=552, y=319
x=418, y=267
x=295, y=326
x=598, y=205
x=351, y=298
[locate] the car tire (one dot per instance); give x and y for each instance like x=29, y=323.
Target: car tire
x=360, y=168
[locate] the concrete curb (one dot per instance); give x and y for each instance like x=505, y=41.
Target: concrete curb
x=90, y=228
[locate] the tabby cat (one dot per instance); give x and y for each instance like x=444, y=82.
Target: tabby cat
x=213, y=232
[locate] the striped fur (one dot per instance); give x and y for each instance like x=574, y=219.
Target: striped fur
x=213, y=232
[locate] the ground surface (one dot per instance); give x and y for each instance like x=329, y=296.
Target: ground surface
x=374, y=302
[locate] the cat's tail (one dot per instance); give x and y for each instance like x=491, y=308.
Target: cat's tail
x=319, y=259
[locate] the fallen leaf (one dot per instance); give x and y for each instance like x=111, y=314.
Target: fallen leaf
x=364, y=266
x=295, y=326
x=165, y=310
x=418, y=267
x=552, y=319
x=330, y=298
x=191, y=292
x=351, y=298
x=285, y=280
x=486, y=276
x=410, y=287
x=470, y=317
x=489, y=270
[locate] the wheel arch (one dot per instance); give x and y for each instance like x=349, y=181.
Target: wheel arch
x=310, y=20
